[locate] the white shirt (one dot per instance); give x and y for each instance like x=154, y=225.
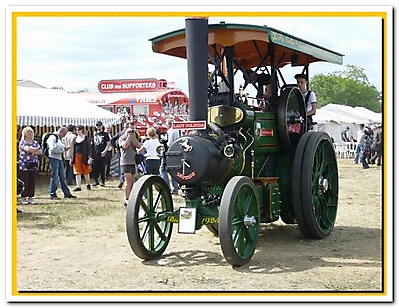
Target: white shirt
x=150, y=146
x=360, y=134
x=55, y=147
x=311, y=100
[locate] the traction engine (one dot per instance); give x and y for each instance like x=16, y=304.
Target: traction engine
x=245, y=165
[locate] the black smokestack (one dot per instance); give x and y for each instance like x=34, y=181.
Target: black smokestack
x=197, y=66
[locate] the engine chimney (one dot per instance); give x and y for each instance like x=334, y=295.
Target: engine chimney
x=197, y=66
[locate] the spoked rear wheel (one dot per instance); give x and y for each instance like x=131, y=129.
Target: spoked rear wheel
x=148, y=236
x=239, y=220
x=291, y=117
x=315, y=185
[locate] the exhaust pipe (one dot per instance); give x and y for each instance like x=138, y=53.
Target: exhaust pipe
x=197, y=67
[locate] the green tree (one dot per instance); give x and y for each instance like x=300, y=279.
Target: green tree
x=350, y=87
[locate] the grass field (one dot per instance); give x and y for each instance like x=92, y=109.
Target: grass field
x=102, y=201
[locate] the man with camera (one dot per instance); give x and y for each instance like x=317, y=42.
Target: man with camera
x=128, y=145
x=115, y=144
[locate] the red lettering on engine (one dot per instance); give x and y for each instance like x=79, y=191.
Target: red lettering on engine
x=186, y=177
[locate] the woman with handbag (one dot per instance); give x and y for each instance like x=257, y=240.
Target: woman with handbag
x=28, y=163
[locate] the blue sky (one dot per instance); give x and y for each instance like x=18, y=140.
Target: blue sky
x=77, y=52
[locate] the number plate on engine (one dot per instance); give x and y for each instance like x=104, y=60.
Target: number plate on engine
x=187, y=218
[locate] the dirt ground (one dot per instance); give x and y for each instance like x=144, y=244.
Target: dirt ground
x=96, y=256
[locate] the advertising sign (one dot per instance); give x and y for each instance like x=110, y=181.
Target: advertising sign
x=128, y=85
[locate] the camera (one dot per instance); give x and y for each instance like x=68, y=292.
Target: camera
x=163, y=137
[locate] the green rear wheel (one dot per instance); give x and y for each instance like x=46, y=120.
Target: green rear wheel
x=239, y=220
x=148, y=236
x=315, y=185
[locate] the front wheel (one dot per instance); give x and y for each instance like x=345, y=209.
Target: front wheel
x=148, y=236
x=239, y=220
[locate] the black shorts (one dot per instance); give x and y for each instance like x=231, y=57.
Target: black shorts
x=128, y=169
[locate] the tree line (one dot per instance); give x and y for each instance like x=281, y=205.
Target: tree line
x=350, y=87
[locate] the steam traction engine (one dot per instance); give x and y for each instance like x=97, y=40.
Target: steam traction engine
x=243, y=165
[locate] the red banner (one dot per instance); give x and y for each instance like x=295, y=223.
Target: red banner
x=128, y=85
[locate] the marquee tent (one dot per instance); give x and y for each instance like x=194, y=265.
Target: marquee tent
x=373, y=116
x=333, y=119
x=49, y=107
x=358, y=114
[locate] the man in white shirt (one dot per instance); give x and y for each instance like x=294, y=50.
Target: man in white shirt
x=56, y=149
x=359, y=136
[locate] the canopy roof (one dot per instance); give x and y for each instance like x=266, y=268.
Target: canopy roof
x=373, y=116
x=48, y=107
x=248, y=41
x=346, y=114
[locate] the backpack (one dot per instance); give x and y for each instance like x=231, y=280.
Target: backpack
x=44, y=142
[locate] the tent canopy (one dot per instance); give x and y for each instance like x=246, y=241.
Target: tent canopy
x=48, y=107
x=323, y=116
x=346, y=114
x=373, y=116
x=333, y=119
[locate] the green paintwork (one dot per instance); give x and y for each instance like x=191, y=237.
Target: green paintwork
x=284, y=172
x=297, y=44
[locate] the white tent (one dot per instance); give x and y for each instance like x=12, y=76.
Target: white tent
x=333, y=119
x=48, y=107
x=373, y=116
x=358, y=114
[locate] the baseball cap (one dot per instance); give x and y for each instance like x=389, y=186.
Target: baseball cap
x=301, y=76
